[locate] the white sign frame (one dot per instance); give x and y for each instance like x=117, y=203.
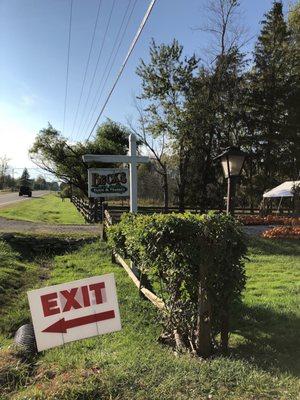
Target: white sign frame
x=107, y=172
x=132, y=159
x=64, y=321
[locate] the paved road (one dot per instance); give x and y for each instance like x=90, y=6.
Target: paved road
x=18, y=226
x=13, y=197
x=257, y=230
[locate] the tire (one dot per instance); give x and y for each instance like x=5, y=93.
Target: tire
x=30, y=194
x=20, y=194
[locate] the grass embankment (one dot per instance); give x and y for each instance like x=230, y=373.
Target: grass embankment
x=13, y=273
x=131, y=364
x=49, y=208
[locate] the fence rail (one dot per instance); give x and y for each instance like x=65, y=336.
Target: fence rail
x=132, y=271
x=93, y=210
x=90, y=210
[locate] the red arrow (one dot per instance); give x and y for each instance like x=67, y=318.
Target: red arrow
x=62, y=325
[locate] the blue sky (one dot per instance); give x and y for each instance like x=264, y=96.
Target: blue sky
x=33, y=43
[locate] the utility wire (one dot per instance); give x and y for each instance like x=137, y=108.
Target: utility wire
x=97, y=63
x=68, y=63
x=87, y=66
x=114, y=50
x=144, y=20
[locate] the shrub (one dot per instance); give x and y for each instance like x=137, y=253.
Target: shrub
x=195, y=264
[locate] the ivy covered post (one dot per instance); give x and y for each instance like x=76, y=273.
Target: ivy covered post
x=196, y=264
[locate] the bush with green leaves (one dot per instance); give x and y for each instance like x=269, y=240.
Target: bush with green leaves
x=195, y=263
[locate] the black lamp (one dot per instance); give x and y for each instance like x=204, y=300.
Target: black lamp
x=232, y=160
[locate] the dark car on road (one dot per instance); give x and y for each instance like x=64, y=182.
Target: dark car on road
x=25, y=190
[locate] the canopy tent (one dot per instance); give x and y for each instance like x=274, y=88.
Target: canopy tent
x=283, y=190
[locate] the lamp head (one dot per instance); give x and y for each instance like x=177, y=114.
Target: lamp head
x=232, y=160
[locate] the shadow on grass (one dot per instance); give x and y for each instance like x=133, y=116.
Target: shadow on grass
x=274, y=247
x=32, y=247
x=270, y=339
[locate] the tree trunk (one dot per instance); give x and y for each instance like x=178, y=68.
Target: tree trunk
x=203, y=330
x=251, y=186
x=166, y=190
x=182, y=182
x=181, y=195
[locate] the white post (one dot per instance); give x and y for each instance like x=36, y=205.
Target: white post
x=133, y=173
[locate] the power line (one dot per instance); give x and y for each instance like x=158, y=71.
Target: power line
x=87, y=66
x=114, y=50
x=97, y=63
x=144, y=20
x=68, y=63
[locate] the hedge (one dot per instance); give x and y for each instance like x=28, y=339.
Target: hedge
x=196, y=265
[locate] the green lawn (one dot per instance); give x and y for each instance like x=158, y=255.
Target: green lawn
x=49, y=209
x=132, y=364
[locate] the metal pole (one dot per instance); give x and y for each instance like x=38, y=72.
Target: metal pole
x=133, y=173
x=230, y=195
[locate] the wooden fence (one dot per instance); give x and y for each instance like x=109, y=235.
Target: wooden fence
x=93, y=210
x=90, y=210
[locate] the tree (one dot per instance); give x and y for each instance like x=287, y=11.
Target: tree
x=294, y=24
x=223, y=22
x=3, y=170
x=156, y=145
x=40, y=183
x=149, y=187
x=25, y=178
x=166, y=80
x=214, y=117
x=274, y=93
x=215, y=105
x=54, y=154
x=54, y=186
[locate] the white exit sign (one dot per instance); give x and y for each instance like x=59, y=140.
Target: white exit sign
x=74, y=310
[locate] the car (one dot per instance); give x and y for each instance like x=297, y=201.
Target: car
x=25, y=190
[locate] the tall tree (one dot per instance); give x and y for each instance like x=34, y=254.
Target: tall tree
x=166, y=81
x=25, y=178
x=157, y=146
x=3, y=170
x=215, y=109
x=274, y=84
x=215, y=105
x=294, y=23
x=40, y=183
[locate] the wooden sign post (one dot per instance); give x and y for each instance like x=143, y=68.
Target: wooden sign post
x=133, y=159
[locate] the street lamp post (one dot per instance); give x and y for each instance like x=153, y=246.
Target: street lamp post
x=232, y=161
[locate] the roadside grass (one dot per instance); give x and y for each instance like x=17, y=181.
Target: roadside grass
x=13, y=272
x=49, y=208
x=132, y=364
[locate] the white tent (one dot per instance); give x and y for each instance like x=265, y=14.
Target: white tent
x=283, y=190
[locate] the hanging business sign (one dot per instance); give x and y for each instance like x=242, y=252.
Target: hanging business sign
x=108, y=182
x=74, y=310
